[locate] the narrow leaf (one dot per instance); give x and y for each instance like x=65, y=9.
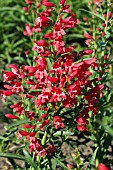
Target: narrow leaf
x=97, y=15
x=17, y=123
x=13, y=156
x=29, y=159
x=63, y=133
x=61, y=164
x=3, y=138
x=94, y=156
x=54, y=163
x=49, y=64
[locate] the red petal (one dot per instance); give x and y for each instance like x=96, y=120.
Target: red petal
x=24, y=133
x=11, y=116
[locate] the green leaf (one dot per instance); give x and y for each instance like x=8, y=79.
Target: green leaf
x=16, y=8
x=97, y=15
x=29, y=159
x=43, y=141
x=37, y=90
x=17, y=123
x=13, y=156
x=18, y=43
x=109, y=130
x=3, y=138
x=109, y=96
x=94, y=156
x=74, y=36
x=61, y=164
x=54, y=163
x=49, y=64
x=63, y=133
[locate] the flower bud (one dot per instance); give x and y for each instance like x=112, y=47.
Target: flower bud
x=11, y=116
x=62, y=2
x=87, y=52
x=101, y=166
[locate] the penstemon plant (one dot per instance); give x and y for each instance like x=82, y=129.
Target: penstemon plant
x=61, y=92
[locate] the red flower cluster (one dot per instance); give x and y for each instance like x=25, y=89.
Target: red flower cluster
x=47, y=88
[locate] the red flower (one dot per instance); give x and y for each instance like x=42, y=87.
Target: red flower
x=42, y=117
x=39, y=150
x=62, y=2
x=42, y=22
x=41, y=43
x=53, y=79
x=11, y=116
x=28, y=30
x=47, y=4
x=58, y=122
x=44, y=124
x=30, y=115
x=69, y=166
x=89, y=61
x=81, y=120
x=57, y=95
x=87, y=52
x=30, y=69
x=40, y=47
x=27, y=126
x=88, y=36
x=51, y=148
x=25, y=9
x=97, y=2
x=18, y=87
x=6, y=93
x=101, y=166
x=48, y=35
x=17, y=108
x=82, y=128
x=29, y=2
x=23, y=133
x=8, y=76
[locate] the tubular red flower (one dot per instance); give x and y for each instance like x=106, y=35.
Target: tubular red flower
x=51, y=148
x=15, y=70
x=41, y=43
x=47, y=4
x=8, y=76
x=53, y=79
x=45, y=122
x=97, y=2
x=11, y=116
x=7, y=93
x=58, y=122
x=27, y=126
x=89, y=61
x=28, y=31
x=42, y=117
x=28, y=1
x=82, y=128
x=23, y=133
x=81, y=120
x=62, y=2
x=48, y=35
x=42, y=22
x=30, y=115
x=87, y=52
x=88, y=36
x=69, y=166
